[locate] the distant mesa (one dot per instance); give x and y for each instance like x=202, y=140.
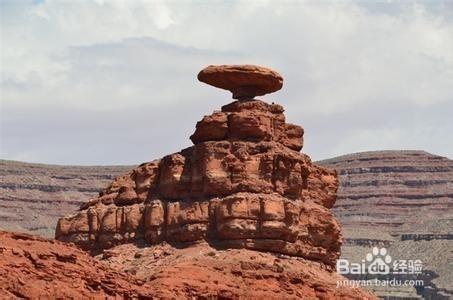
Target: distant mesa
x=244, y=81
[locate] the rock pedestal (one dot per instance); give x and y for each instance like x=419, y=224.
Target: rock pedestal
x=243, y=184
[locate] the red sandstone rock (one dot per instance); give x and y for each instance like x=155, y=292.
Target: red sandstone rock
x=37, y=268
x=430, y=177
x=240, y=185
x=253, y=121
x=244, y=184
x=244, y=81
x=201, y=271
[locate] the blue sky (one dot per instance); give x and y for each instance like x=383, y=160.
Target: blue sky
x=114, y=82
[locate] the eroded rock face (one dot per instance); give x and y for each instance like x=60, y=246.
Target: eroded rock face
x=243, y=81
x=253, y=121
x=242, y=185
x=35, y=268
x=204, y=272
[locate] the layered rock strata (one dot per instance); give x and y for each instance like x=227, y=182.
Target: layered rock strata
x=34, y=196
x=417, y=185
x=401, y=200
x=244, y=184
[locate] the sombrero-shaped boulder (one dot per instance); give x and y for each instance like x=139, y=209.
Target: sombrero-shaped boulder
x=244, y=81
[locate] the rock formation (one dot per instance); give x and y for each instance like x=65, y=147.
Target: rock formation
x=241, y=214
x=243, y=81
x=35, y=268
x=244, y=184
x=367, y=217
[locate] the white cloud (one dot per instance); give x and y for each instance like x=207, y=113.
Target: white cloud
x=121, y=62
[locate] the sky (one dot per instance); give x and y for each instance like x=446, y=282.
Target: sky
x=114, y=82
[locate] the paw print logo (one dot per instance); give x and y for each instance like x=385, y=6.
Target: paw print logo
x=378, y=261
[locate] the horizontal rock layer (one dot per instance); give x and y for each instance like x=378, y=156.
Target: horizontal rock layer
x=265, y=222
x=413, y=183
x=216, y=169
x=252, y=120
x=47, y=192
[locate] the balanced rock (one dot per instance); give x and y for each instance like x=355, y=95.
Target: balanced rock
x=243, y=184
x=244, y=81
